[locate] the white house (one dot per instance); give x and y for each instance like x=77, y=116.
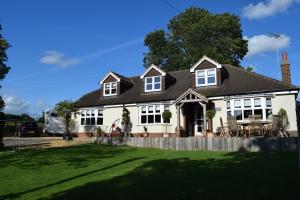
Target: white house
x=187, y=94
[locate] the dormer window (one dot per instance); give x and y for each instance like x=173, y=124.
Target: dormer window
x=206, y=77
x=110, y=89
x=114, y=84
x=153, y=79
x=153, y=84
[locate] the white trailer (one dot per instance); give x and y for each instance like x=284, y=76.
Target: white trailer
x=53, y=123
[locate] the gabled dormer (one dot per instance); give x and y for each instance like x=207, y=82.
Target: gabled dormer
x=207, y=72
x=154, y=79
x=114, y=84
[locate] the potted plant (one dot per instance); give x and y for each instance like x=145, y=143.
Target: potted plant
x=166, y=117
x=145, y=134
x=210, y=114
x=99, y=132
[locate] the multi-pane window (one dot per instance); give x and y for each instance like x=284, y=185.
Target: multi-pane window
x=91, y=117
x=152, y=84
x=100, y=117
x=152, y=114
x=247, y=109
x=268, y=108
x=110, y=89
x=206, y=77
x=211, y=76
x=244, y=109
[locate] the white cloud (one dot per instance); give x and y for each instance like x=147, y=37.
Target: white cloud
x=15, y=105
x=57, y=58
x=259, y=44
x=53, y=57
x=266, y=8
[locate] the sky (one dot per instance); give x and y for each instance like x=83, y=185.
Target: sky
x=61, y=49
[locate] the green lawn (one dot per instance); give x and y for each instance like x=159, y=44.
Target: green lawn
x=99, y=172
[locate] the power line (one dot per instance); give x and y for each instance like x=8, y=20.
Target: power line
x=171, y=6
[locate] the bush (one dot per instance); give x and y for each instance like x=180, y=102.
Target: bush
x=166, y=116
x=210, y=114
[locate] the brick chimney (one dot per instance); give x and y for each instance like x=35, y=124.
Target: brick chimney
x=285, y=69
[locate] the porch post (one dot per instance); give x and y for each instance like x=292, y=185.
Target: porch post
x=204, y=116
x=178, y=117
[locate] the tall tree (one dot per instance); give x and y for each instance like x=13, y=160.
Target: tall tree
x=65, y=109
x=192, y=34
x=4, y=69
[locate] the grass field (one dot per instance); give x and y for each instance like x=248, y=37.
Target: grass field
x=99, y=172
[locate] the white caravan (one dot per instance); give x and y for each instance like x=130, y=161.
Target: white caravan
x=53, y=123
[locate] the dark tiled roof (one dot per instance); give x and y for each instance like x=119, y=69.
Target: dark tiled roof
x=123, y=78
x=237, y=81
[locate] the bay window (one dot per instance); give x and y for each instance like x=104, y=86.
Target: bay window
x=244, y=109
x=110, y=89
x=152, y=114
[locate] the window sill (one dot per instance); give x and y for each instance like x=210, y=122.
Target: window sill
x=149, y=91
x=168, y=124
x=206, y=85
x=112, y=95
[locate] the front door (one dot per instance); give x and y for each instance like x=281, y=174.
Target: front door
x=198, y=121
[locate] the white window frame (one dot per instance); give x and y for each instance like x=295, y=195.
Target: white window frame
x=110, y=84
x=153, y=83
x=205, y=77
x=162, y=109
x=263, y=106
x=93, y=113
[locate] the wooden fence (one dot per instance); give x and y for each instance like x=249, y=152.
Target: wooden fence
x=209, y=144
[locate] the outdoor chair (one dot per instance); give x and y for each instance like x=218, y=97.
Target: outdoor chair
x=225, y=132
x=277, y=127
x=233, y=125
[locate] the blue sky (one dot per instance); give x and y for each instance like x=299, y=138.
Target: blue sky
x=61, y=49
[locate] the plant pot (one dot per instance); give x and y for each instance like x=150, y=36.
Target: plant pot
x=67, y=137
x=209, y=135
x=145, y=134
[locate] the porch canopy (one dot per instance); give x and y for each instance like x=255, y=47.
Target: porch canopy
x=191, y=96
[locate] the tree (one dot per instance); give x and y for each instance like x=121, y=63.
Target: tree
x=248, y=69
x=166, y=115
x=26, y=117
x=126, y=123
x=192, y=34
x=4, y=69
x=210, y=114
x=284, y=120
x=41, y=119
x=65, y=109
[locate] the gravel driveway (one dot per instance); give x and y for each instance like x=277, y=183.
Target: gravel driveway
x=42, y=142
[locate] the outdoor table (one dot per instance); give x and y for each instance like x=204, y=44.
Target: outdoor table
x=245, y=124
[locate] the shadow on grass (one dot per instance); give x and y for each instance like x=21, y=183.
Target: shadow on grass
x=74, y=157
x=237, y=176
x=16, y=195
